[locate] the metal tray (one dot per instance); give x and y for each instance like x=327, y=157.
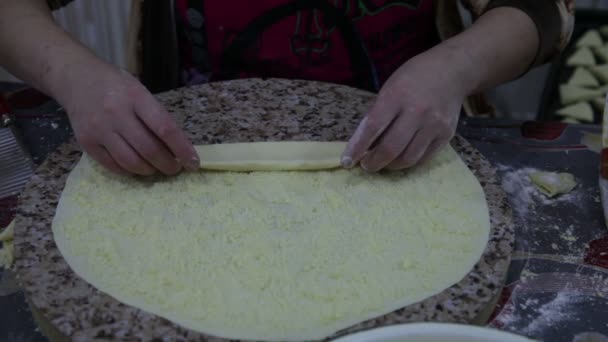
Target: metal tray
x=559, y=72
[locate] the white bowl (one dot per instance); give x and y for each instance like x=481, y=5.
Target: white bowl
x=433, y=332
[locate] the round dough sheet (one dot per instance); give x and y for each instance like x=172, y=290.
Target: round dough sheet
x=292, y=255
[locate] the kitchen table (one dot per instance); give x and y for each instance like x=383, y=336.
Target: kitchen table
x=557, y=284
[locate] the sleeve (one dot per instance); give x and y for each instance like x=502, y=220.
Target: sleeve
x=554, y=20
x=57, y=4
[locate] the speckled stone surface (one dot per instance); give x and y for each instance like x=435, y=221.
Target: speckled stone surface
x=235, y=111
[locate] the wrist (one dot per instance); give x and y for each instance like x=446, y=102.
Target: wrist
x=463, y=66
x=71, y=75
x=67, y=67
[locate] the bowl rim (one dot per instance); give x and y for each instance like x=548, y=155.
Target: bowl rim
x=433, y=329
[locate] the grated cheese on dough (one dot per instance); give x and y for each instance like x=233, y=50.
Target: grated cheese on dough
x=293, y=255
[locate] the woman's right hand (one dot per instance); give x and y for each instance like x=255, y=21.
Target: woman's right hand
x=122, y=126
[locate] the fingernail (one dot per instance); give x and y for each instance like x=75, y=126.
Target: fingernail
x=193, y=164
x=347, y=162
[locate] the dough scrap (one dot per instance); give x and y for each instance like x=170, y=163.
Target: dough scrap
x=8, y=233
x=598, y=103
x=271, y=156
x=601, y=53
x=593, y=141
x=579, y=111
x=570, y=121
x=290, y=255
x=552, y=184
x=570, y=94
x=590, y=38
x=601, y=72
x=7, y=254
x=582, y=57
x=582, y=77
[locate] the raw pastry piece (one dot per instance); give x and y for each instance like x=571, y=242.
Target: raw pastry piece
x=271, y=156
x=580, y=111
x=289, y=255
x=582, y=77
x=552, y=184
x=602, y=53
x=570, y=121
x=570, y=94
x=582, y=57
x=7, y=254
x=593, y=141
x=590, y=38
x=8, y=232
x=601, y=72
x=598, y=103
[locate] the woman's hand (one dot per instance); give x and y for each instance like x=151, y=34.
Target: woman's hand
x=416, y=111
x=414, y=115
x=122, y=126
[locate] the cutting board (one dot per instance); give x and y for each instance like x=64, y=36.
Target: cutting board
x=235, y=111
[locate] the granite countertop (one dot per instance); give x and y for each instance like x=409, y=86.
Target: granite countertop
x=235, y=111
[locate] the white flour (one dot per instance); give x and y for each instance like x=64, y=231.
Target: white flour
x=535, y=319
x=525, y=196
x=553, y=312
x=526, y=201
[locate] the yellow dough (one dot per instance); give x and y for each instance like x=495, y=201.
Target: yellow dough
x=552, y=183
x=601, y=53
x=598, y=103
x=8, y=233
x=579, y=111
x=271, y=156
x=590, y=38
x=570, y=94
x=582, y=57
x=277, y=255
x=582, y=77
x=601, y=72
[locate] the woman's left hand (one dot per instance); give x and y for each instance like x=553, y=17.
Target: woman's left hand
x=414, y=114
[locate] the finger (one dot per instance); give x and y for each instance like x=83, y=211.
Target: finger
x=434, y=147
x=414, y=152
x=126, y=157
x=156, y=118
x=380, y=117
x=148, y=146
x=102, y=156
x=390, y=145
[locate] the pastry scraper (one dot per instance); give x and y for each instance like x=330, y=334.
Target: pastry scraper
x=15, y=165
x=604, y=163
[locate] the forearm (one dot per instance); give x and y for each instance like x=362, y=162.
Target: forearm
x=36, y=50
x=497, y=48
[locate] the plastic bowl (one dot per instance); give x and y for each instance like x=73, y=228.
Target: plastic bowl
x=433, y=332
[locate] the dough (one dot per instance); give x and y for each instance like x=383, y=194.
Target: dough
x=593, y=141
x=8, y=232
x=582, y=57
x=282, y=255
x=271, y=156
x=7, y=255
x=579, y=111
x=552, y=184
x=604, y=30
x=570, y=94
x=601, y=53
x=598, y=103
x=570, y=121
x=582, y=77
x=601, y=72
x=590, y=38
